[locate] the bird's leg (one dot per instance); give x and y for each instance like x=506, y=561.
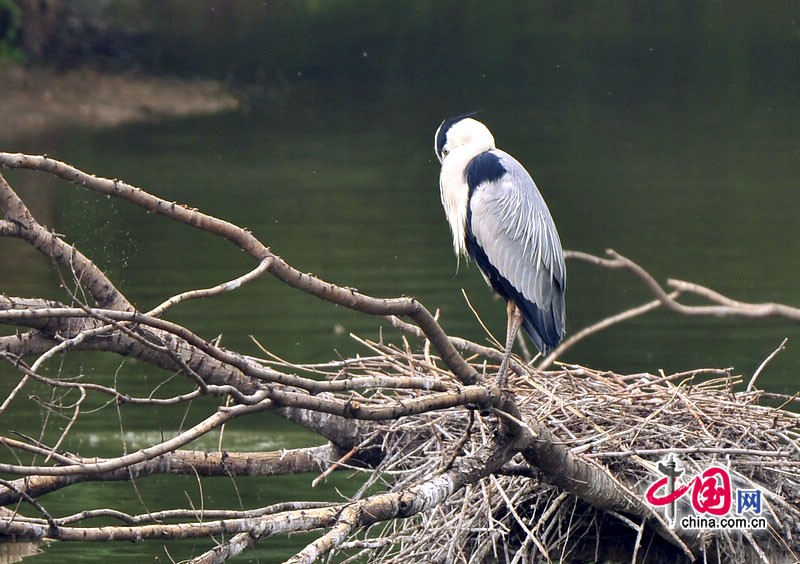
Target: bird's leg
x=514, y=322
x=523, y=347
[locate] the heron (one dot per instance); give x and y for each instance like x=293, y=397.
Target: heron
x=499, y=219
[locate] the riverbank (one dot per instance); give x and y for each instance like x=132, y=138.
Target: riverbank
x=37, y=102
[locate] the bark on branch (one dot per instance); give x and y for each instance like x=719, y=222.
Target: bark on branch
x=724, y=306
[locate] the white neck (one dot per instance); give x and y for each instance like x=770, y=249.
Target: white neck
x=455, y=195
x=465, y=140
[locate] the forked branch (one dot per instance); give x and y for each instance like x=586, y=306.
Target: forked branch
x=723, y=306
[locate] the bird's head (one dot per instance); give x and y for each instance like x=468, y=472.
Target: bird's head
x=464, y=135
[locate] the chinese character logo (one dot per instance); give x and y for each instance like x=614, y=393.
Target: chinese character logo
x=711, y=498
x=712, y=492
x=748, y=500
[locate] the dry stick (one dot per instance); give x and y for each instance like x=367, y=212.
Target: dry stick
x=246, y=241
x=273, y=463
x=285, y=522
x=520, y=521
x=763, y=557
x=689, y=450
x=36, y=505
x=228, y=286
x=233, y=360
x=476, y=315
x=456, y=451
x=160, y=516
x=53, y=318
x=751, y=385
x=638, y=543
x=335, y=466
x=467, y=395
x=115, y=394
x=73, y=419
x=768, y=309
x=725, y=307
x=458, y=342
x=225, y=551
x=353, y=382
x=600, y=326
x=14, y=392
x=39, y=449
x=346, y=522
x=108, y=465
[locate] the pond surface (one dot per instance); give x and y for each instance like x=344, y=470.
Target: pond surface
x=345, y=185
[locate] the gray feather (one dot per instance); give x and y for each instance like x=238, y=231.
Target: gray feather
x=511, y=222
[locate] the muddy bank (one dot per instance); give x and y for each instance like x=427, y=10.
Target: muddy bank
x=36, y=102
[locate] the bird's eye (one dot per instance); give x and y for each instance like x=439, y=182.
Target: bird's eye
x=445, y=152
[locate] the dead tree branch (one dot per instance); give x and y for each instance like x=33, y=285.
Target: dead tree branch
x=725, y=307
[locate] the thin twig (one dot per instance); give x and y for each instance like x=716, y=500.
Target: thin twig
x=752, y=383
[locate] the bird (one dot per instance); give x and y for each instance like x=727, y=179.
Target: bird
x=499, y=219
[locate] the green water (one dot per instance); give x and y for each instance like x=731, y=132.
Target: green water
x=695, y=184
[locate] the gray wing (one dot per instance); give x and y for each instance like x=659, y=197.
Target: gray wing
x=510, y=222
